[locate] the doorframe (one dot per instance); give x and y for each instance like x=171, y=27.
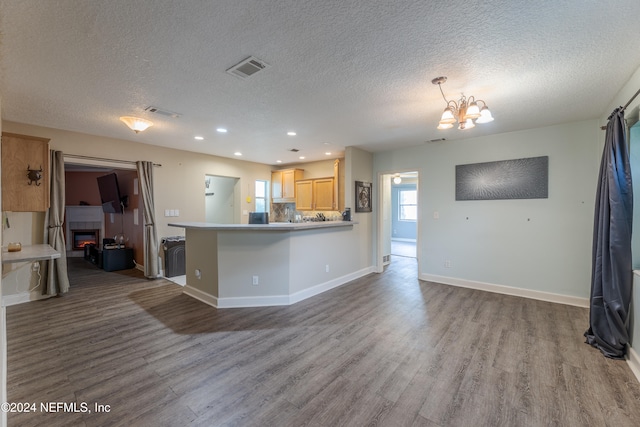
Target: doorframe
x=237, y=206
x=382, y=201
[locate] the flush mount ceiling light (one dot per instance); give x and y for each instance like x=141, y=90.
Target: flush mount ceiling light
x=397, y=179
x=465, y=111
x=136, y=124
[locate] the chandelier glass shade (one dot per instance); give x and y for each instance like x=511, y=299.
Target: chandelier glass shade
x=136, y=124
x=465, y=111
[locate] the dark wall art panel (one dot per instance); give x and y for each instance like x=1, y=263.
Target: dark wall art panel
x=507, y=179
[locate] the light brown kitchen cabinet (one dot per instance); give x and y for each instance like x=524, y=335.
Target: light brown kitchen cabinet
x=304, y=195
x=283, y=185
x=20, y=153
x=324, y=194
x=315, y=195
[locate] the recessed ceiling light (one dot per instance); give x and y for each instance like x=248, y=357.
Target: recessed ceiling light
x=199, y=138
x=278, y=161
x=237, y=153
x=221, y=130
x=328, y=153
x=291, y=133
x=301, y=157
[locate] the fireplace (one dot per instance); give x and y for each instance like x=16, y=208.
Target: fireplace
x=81, y=238
x=83, y=220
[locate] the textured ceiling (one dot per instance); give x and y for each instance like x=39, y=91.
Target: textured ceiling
x=342, y=72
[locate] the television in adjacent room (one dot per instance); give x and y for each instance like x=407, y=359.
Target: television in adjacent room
x=110, y=193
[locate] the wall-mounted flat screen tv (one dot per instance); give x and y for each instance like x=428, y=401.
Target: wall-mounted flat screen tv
x=110, y=193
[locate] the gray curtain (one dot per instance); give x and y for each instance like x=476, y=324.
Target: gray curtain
x=145, y=176
x=57, y=281
x=612, y=274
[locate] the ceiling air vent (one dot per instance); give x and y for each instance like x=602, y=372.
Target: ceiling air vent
x=247, y=67
x=436, y=140
x=162, y=112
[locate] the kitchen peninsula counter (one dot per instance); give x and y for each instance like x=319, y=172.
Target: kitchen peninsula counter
x=251, y=265
x=273, y=226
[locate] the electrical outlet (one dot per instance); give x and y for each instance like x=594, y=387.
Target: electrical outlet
x=198, y=274
x=326, y=268
x=255, y=281
x=447, y=264
x=35, y=266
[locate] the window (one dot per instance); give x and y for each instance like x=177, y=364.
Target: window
x=261, y=196
x=407, y=205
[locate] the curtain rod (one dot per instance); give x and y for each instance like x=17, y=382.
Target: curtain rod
x=626, y=105
x=78, y=156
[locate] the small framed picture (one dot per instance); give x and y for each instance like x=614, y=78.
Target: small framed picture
x=363, y=196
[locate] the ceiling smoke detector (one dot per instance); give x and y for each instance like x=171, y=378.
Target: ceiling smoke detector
x=294, y=150
x=162, y=112
x=247, y=67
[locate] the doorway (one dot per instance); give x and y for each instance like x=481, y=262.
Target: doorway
x=398, y=224
x=220, y=199
x=84, y=211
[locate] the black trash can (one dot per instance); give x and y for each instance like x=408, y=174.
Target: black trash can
x=174, y=255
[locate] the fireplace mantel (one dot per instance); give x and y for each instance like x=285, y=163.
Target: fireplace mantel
x=84, y=214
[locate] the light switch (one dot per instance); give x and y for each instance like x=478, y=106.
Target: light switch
x=436, y=215
x=135, y=216
x=177, y=212
x=166, y=212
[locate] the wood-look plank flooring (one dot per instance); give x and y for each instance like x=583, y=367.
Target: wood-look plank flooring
x=385, y=350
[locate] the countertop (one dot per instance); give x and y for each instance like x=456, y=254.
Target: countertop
x=274, y=226
x=29, y=253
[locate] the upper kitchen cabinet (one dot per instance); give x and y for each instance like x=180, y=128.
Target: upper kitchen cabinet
x=283, y=185
x=25, y=173
x=322, y=194
x=315, y=194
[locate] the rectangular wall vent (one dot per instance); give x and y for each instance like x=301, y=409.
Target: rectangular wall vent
x=247, y=67
x=162, y=112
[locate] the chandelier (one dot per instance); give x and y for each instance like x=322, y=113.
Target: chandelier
x=465, y=111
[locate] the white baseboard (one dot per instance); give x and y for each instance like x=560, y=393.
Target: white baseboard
x=633, y=360
x=201, y=296
x=274, y=300
x=21, y=298
x=508, y=290
x=324, y=287
x=240, y=302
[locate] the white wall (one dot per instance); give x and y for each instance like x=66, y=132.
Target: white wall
x=359, y=167
x=541, y=245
